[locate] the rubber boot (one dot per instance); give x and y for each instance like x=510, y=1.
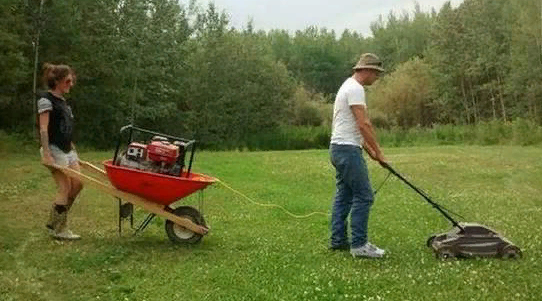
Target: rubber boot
x=62, y=231
x=53, y=220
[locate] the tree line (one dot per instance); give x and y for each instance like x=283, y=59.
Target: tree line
x=183, y=69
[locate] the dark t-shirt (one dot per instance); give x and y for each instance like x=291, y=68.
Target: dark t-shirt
x=61, y=121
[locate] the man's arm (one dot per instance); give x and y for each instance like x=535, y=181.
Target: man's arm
x=369, y=151
x=366, y=129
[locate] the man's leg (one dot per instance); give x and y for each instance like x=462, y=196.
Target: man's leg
x=362, y=199
x=361, y=205
x=342, y=202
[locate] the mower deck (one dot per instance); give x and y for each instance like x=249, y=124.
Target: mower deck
x=464, y=239
x=472, y=240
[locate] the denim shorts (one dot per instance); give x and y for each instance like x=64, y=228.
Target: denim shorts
x=61, y=158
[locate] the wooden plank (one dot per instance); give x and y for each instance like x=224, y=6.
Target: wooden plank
x=101, y=174
x=134, y=199
x=89, y=166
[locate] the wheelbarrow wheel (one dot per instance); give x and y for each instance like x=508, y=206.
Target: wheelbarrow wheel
x=179, y=234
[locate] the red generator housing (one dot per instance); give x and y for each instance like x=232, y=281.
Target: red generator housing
x=162, y=151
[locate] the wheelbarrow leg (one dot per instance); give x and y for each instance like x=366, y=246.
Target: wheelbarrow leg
x=120, y=217
x=145, y=223
x=200, y=202
x=126, y=210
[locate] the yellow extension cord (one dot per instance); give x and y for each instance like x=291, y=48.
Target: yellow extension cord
x=88, y=164
x=270, y=205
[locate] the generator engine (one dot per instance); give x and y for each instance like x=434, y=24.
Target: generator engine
x=159, y=156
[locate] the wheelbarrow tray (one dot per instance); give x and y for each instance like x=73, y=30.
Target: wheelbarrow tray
x=157, y=188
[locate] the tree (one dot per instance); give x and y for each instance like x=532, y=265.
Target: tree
x=15, y=63
x=406, y=95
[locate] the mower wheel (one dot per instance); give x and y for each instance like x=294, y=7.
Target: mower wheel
x=511, y=252
x=179, y=234
x=444, y=253
x=430, y=241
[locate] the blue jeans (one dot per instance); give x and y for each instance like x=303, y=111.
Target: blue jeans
x=354, y=195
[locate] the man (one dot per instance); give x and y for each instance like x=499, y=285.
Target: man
x=352, y=130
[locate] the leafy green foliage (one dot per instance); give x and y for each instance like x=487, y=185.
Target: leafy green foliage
x=184, y=70
x=406, y=96
x=309, y=109
x=518, y=132
x=15, y=63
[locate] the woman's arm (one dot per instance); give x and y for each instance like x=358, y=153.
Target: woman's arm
x=44, y=139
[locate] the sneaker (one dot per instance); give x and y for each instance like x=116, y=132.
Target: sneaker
x=367, y=250
x=66, y=235
x=377, y=249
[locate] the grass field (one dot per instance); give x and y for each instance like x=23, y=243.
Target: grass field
x=259, y=253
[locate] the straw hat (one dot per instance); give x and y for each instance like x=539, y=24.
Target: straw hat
x=369, y=61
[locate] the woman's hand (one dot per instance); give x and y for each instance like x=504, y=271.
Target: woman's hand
x=47, y=158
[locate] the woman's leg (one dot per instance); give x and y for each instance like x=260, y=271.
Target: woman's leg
x=60, y=201
x=66, y=192
x=75, y=185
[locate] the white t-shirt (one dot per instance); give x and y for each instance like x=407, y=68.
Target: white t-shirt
x=345, y=129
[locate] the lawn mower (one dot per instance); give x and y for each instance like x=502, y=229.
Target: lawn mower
x=464, y=239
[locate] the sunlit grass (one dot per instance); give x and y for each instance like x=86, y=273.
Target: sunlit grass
x=257, y=253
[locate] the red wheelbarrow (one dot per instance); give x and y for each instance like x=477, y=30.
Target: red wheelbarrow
x=152, y=176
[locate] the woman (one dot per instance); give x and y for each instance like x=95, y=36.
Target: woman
x=56, y=124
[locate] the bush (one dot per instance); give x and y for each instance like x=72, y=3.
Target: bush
x=17, y=143
x=492, y=132
x=525, y=132
x=308, y=114
x=291, y=138
x=309, y=109
x=519, y=132
x=405, y=96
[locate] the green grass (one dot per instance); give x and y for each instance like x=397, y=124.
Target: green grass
x=257, y=253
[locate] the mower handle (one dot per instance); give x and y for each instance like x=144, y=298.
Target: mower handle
x=385, y=165
x=420, y=192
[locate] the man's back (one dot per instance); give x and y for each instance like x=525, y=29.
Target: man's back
x=345, y=129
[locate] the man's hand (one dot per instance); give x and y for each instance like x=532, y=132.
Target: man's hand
x=377, y=157
x=370, y=152
x=380, y=158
